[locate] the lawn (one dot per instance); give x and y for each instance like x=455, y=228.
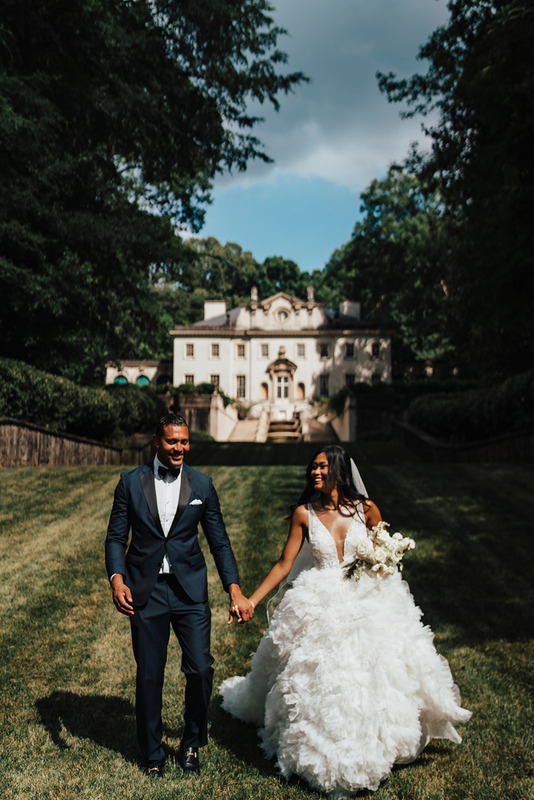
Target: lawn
x=67, y=671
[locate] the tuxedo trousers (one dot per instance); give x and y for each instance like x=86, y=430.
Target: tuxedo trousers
x=169, y=606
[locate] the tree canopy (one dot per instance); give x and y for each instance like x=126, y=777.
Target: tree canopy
x=115, y=116
x=210, y=270
x=480, y=81
x=394, y=264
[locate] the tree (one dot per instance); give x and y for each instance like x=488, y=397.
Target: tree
x=394, y=265
x=115, y=117
x=279, y=274
x=210, y=270
x=480, y=82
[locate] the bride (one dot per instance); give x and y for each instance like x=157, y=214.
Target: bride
x=346, y=681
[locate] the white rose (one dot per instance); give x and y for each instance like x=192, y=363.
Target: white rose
x=381, y=536
x=364, y=549
x=397, y=535
x=381, y=554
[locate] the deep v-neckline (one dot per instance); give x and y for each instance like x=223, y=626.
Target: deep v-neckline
x=321, y=523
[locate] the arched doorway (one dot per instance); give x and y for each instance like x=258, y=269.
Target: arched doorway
x=281, y=373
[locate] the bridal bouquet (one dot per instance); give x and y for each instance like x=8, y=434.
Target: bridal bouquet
x=380, y=554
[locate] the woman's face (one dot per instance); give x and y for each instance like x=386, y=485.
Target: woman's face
x=319, y=473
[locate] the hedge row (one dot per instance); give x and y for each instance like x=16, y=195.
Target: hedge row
x=106, y=414
x=199, y=388
x=479, y=414
x=396, y=396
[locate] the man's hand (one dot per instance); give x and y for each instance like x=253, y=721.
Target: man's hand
x=122, y=597
x=240, y=608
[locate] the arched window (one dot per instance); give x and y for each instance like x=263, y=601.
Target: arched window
x=142, y=380
x=121, y=379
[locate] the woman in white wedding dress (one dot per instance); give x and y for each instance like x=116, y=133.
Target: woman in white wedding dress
x=346, y=681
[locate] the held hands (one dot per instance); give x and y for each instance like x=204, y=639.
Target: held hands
x=122, y=597
x=240, y=608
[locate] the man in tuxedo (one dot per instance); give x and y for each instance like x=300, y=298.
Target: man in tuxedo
x=160, y=581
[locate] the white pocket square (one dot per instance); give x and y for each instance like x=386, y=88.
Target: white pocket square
x=195, y=502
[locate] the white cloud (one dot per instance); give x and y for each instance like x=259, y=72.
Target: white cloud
x=339, y=127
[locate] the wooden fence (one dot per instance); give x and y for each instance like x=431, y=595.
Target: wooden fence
x=25, y=445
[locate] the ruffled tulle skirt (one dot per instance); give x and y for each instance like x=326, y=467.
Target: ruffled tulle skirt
x=346, y=682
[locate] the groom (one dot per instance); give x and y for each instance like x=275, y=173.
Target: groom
x=160, y=581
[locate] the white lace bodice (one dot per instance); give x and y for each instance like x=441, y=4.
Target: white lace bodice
x=323, y=546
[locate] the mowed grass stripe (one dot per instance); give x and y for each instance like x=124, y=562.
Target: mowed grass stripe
x=45, y=553
x=60, y=597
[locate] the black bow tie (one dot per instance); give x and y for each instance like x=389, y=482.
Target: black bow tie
x=164, y=471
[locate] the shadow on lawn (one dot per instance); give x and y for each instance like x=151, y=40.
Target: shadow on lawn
x=239, y=738
x=108, y=721
x=471, y=572
x=479, y=584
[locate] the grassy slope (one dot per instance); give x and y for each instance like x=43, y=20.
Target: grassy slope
x=67, y=673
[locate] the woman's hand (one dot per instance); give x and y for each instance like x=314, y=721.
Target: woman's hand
x=240, y=607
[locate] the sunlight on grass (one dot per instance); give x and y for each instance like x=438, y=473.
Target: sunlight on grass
x=67, y=672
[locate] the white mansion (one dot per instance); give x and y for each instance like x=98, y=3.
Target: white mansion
x=280, y=353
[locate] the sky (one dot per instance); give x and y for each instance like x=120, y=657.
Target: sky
x=331, y=136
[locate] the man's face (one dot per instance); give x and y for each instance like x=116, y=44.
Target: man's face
x=172, y=445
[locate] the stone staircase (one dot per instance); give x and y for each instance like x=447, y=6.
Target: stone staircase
x=285, y=430
x=245, y=431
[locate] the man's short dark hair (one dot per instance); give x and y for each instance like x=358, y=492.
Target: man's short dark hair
x=169, y=419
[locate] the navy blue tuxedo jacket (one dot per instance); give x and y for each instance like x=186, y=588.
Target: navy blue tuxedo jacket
x=135, y=508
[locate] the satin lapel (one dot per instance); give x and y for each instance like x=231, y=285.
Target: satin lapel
x=149, y=489
x=185, y=494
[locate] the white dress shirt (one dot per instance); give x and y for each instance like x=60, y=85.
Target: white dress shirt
x=167, y=496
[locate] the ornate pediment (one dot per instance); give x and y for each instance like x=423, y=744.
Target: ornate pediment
x=281, y=364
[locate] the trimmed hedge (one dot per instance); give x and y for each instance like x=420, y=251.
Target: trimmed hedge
x=199, y=388
x=396, y=396
x=400, y=394
x=480, y=414
x=101, y=413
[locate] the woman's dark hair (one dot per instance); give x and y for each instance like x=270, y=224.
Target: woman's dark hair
x=339, y=473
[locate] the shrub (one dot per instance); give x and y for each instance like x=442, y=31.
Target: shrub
x=102, y=413
x=398, y=395
x=477, y=414
x=184, y=388
x=336, y=402
x=205, y=388
x=137, y=407
x=201, y=436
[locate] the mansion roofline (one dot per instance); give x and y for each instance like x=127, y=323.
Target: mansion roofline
x=282, y=314
x=225, y=332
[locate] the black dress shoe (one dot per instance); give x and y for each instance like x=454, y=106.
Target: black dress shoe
x=188, y=759
x=154, y=772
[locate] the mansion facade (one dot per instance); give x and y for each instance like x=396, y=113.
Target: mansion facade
x=280, y=353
